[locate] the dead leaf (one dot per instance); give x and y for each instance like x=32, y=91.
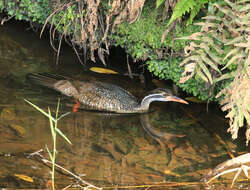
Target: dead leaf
x=24, y=177
x=102, y=70
x=168, y=172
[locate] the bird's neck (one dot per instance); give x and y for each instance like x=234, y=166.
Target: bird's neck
x=147, y=100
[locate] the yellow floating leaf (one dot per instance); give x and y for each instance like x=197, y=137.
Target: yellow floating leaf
x=24, y=177
x=194, y=100
x=102, y=70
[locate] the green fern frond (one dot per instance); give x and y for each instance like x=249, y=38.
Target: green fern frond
x=205, y=70
x=221, y=54
x=193, y=13
x=159, y=3
x=224, y=77
x=195, y=10
x=201, y=74
x=182, y=7
x=210, y=63
x=187, y=6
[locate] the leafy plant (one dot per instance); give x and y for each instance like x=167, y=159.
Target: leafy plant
x=54, y=131
x=188, y=6
x=220, y=53
x=142, y=40
x=28, y=10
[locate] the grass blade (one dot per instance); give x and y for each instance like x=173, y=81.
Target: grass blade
x=63, y=115
x=57, y=108
x=62, y=135
x=51, y=124
x=50, y=155
x=39, y=109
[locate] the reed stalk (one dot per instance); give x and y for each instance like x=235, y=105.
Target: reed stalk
x=53, y=121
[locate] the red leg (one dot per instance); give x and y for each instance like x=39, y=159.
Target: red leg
x=76, y=106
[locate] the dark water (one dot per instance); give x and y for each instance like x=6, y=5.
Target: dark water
x=171, y=145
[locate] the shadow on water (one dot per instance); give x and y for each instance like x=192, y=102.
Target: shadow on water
x=171, y=145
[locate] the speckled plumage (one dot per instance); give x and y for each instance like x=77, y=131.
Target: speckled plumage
x=99, y=95
x=91, y=94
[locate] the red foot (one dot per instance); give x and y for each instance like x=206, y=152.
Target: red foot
x=76, y=106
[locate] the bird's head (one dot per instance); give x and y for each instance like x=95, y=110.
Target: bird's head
x=164, y=94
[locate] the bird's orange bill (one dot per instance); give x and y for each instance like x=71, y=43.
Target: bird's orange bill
x=176, y=99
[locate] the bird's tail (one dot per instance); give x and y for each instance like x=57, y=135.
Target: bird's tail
x=44, y=79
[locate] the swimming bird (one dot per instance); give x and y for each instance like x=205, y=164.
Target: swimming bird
x=102, y=96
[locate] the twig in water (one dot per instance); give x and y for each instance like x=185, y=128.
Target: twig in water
x=237, y=162
x=38, y=153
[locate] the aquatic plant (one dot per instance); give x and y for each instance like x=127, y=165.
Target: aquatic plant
x=53, y=121
x=52, y=155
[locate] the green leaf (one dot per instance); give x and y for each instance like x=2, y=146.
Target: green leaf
x=159, y=3
x=241, y=119
x=193, y=58
x=201, y=75
x=245, y=8
x=232, y=52
x=212, y=17
x=39, y=109
x=194, y=12
x=243, y=1
x=50, y=155
x=181, y=7
x=210, y=63
x=206, y=71
x=62, y=135
x=225, y=76
x=213, y=56
x=63, y=115
x=247, y=115
x=51, y=124
x=235, y=40
x=230, y=113
x=57, y=108
x=233, y=59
